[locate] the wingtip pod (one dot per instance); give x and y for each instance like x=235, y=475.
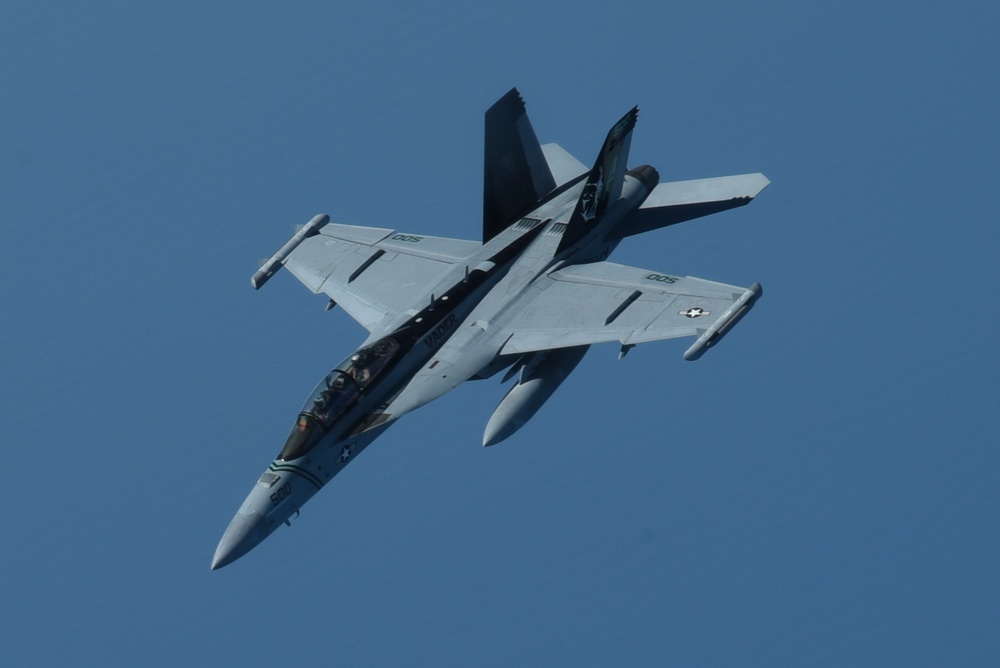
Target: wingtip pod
x=277, y=261
x=726, y=322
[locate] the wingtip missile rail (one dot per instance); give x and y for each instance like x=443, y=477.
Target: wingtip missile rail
x=277, y=261
x=726, y=321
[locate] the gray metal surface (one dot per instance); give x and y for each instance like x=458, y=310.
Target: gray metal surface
x=533, y=297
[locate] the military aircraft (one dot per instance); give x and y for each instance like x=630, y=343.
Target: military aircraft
x=531, y=298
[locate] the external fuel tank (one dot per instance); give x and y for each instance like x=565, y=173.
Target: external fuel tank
x=540, y=374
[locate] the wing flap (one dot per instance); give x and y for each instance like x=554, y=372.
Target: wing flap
x=435, y=248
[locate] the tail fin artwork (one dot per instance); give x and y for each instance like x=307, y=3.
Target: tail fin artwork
x=515, y=175
x=604, y=184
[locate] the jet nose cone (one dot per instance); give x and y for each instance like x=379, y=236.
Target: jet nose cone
x=242, y=535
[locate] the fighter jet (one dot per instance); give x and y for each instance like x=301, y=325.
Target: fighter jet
x=530, y=298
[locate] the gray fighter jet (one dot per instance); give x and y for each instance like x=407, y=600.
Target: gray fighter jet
x=530, y=298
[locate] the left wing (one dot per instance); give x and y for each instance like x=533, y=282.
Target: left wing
x=375, y=273
x=603, y=301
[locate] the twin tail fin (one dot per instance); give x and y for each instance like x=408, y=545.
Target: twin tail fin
x=516, y=175
x=604, y=183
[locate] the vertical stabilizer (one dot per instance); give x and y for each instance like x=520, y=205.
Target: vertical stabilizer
x=515, y=174
x=604, y=184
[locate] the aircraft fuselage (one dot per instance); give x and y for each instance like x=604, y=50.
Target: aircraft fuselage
x=456, y=336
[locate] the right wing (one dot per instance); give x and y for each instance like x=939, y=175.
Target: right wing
x=375, y=273
x=602, y=302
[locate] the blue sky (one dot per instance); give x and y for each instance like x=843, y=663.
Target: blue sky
x=821, y=489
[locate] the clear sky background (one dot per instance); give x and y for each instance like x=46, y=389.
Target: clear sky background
x=820, y=489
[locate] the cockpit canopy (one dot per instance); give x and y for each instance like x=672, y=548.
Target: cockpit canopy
x=336, y=394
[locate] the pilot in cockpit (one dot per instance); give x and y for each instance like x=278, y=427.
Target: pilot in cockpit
x=359, y=368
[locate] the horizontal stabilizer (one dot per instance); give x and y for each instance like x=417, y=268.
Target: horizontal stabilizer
x=676, y=202
x=562, y=164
